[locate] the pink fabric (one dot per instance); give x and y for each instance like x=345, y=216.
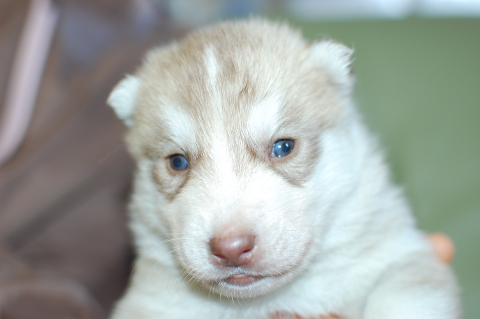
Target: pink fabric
x=26, y=75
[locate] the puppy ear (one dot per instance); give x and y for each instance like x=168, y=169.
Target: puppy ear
x=123, y=98
x=335, y=58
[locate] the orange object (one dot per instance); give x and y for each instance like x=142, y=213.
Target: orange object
x=442, y=246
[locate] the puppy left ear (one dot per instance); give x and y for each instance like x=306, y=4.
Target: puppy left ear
x=123, y=98
x=336, y=59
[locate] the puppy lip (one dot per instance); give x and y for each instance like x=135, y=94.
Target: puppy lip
x=241, y=279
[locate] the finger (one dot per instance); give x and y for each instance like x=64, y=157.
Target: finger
x=443, y=247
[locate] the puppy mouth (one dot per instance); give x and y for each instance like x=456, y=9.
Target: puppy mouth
x=243, y=284
x=241, y=279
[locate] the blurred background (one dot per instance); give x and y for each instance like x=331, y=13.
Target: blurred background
x=65, y=175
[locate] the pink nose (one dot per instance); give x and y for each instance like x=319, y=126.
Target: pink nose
x=233, y=251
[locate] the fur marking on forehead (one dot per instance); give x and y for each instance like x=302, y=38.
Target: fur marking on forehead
x=180, y=126
x=264, y=120
x=211, y=65
x=222, y=159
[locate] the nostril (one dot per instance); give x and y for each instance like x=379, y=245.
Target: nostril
x=233, y=250
x=219, y=256
x=247, y=251
x=245, y=256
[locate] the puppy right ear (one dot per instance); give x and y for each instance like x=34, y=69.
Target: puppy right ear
x=336, y=59
x=123, y=98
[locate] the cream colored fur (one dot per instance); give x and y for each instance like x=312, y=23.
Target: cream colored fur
x=334, y=236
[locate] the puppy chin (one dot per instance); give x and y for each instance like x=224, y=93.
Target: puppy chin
x=254, y=288
x=245, y=286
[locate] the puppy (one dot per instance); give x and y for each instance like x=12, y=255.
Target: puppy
x=259, y=191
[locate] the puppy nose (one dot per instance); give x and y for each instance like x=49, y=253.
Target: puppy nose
x=233, y=251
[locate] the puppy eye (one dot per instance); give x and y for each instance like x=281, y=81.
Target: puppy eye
x=282, y=148
x=178, y=162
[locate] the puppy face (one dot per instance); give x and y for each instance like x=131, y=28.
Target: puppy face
x=227, y=127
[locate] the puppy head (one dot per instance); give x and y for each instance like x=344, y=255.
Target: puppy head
x=226, y=127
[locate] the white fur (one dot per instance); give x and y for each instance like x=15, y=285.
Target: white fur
x=337, y=59
x=212, y=67
x=179, y=125
x=264, y=119
x=334, y=236
x=123, y=98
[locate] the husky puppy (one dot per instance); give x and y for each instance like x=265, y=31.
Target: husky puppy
x=258, y=190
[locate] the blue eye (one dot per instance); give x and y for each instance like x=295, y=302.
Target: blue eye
x=178, y=162
x=282, y=148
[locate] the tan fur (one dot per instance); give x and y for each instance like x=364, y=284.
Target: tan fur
x=307, y=97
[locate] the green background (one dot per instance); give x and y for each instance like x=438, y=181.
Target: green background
x=418, y=87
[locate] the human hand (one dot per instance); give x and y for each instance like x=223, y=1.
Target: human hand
x=442, y=246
